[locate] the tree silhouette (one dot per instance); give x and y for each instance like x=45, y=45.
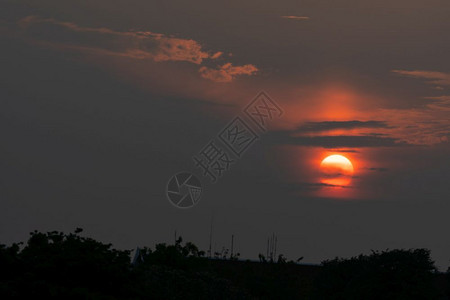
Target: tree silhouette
x=55, y=265
x=396, y=274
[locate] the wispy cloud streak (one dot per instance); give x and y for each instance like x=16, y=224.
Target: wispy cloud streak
x=296, y=17
x=130, y=44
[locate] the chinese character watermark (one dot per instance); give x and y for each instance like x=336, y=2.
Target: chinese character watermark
x=262, y=109
x=184, y=189
x=238, y=136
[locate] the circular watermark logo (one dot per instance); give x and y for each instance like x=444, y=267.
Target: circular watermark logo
x=184, y=190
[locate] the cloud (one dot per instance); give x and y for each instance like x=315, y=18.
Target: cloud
x=440, y=99
x=312, y=186
x=142, y=45
x=134, y=44
x=227, y=72
x=296, y=17
x=217, y=55
x=419, y=126
x=345, y=150
x=340, y=135
x=331, y=141
x=439, y=88
x=427, y=124
x=331, y=125
x=433, y=77
x=378, y=169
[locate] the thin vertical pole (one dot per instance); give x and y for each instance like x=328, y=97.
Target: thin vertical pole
x=276, y=243
x=210, y=236
x=232, y=244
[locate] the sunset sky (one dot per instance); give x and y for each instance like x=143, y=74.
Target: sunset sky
x=102, y=102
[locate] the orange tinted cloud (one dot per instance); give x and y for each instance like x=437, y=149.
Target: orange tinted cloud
x=296, y=17
x=227, y=72
x=344, y=116
x=430, y=124
x=441, y=99
x=130, y=44
x=140, y=44
x=217, y=55
x=433, y=77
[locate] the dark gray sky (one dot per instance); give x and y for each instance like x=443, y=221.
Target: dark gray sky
x=101, y=103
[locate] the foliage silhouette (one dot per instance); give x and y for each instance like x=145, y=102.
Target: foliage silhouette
x=177, y=255
x=55, y=265
x=395, y=274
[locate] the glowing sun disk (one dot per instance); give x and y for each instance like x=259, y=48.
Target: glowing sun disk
x=337, y=163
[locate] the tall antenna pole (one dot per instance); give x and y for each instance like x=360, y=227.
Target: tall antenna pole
x=210, y=236
x=276, y=243
x=270, y=248
x=175, y=236
x=232, y=245
x=272, y=239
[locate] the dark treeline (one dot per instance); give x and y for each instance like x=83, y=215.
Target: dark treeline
x=55, y=265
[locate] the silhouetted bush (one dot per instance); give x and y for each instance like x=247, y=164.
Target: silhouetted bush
x=396, y=274
x=177, y=256
x=55, y=265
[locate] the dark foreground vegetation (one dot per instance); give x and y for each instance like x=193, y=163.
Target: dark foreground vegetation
x=55, y=265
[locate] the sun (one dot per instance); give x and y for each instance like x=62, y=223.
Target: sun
x=336, y=170
x=337, y=164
